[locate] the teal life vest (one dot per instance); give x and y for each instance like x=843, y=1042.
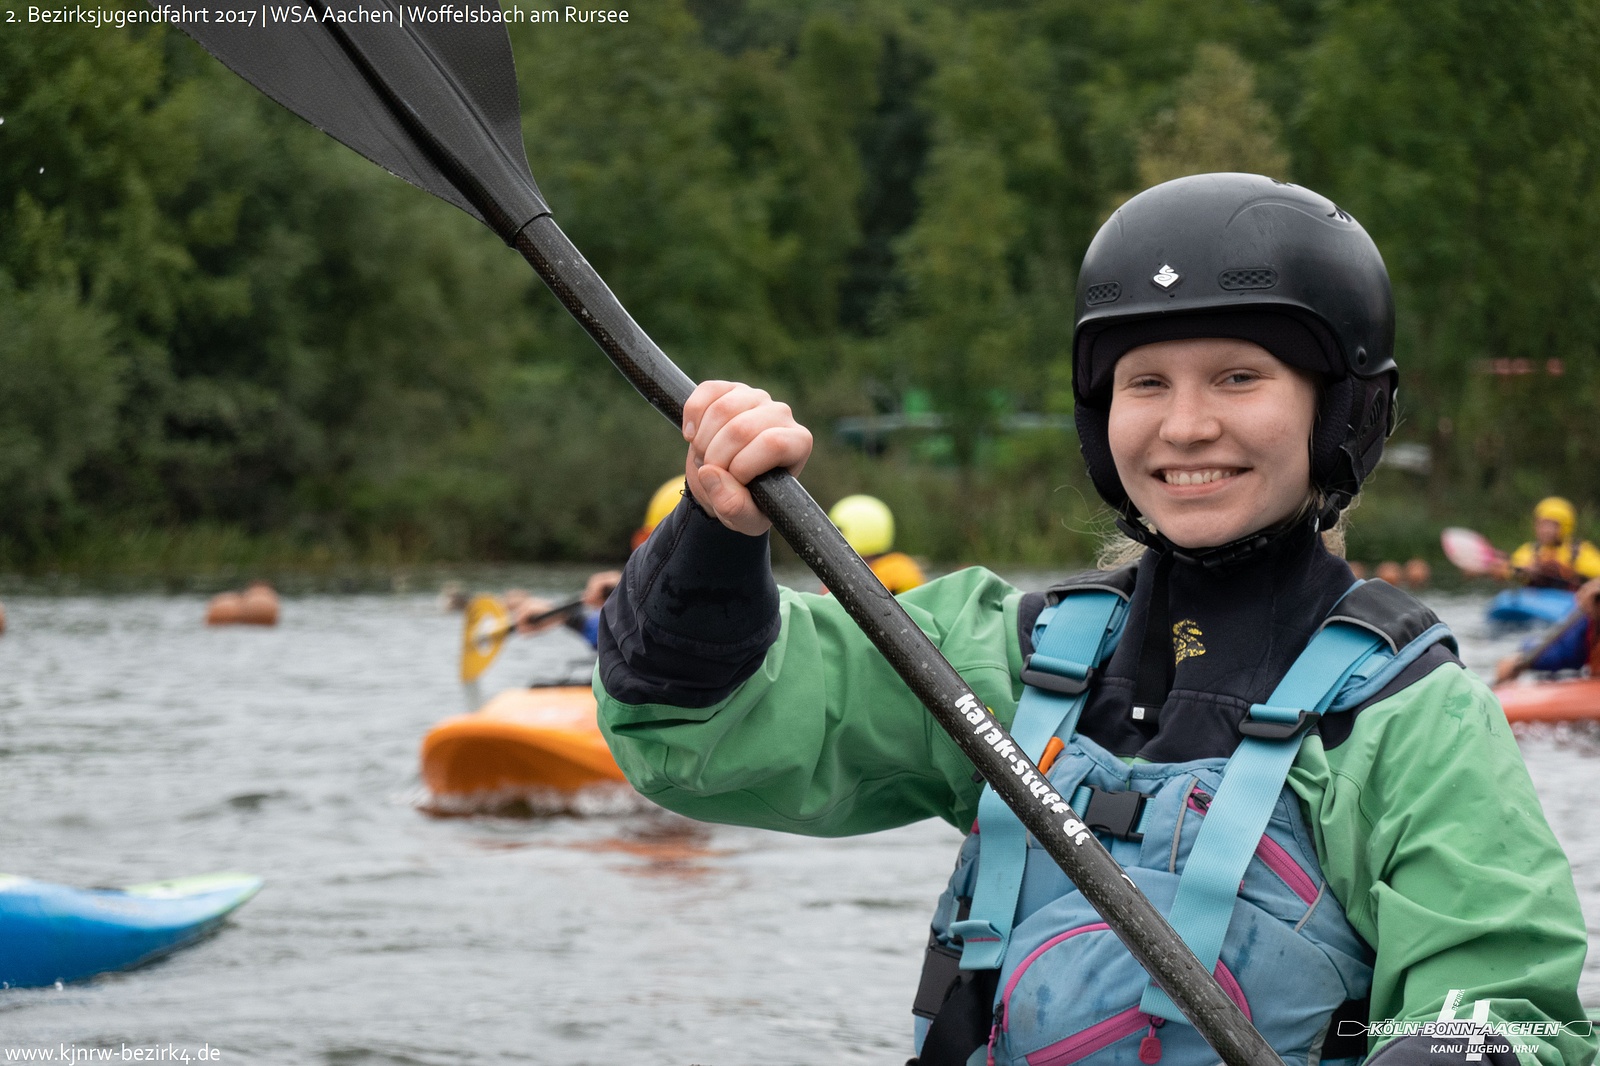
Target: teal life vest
x=1023, y=969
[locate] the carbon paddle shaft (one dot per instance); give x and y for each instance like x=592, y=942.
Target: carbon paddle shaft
x=1012, y=774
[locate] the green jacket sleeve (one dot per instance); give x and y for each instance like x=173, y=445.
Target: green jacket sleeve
x=825, y=739
x=1432, y=838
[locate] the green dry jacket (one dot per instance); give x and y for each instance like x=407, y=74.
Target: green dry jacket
x=1425, y=820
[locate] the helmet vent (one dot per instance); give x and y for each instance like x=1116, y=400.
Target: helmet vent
x=1104, y=293
x=1376, y=410
x=1249, y=278
x=1341, y=214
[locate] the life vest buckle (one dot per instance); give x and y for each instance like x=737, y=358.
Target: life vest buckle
x=1056, y=675
x=1273, y=723
x=1117, y=813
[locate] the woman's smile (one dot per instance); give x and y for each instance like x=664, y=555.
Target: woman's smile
x=1187, y=478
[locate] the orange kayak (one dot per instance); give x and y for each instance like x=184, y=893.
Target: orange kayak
x=1572, y=700
x=524, y=740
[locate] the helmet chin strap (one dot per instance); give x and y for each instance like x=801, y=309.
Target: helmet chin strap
x=1223, y=555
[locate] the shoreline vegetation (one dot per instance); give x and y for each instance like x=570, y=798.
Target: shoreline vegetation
x=1029, y=521
x=231, y=347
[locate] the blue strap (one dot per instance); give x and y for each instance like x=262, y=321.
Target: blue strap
x=1070, y=639
x=1250, y=787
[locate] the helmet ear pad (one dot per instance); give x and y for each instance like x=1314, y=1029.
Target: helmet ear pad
x=1359, y=418
x=1094, y=441
x=1328, y=434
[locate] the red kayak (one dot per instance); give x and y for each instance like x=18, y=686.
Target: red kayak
x=1574, y=699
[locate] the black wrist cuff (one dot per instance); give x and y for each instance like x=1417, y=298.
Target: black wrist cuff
x=695, y=613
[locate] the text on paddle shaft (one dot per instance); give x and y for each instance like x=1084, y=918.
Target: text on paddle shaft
x=298, y=13
x=988, y=730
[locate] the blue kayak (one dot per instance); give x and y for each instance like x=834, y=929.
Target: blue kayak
x=51, y=933
x=1530, y=607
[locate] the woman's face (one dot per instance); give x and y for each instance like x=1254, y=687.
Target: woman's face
x=1211, y=437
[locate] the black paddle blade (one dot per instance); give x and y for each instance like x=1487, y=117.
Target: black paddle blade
x=434, y=103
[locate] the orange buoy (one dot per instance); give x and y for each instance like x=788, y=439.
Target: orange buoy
x=1417, y=573
x=224, y=609
x=257, y=605
x=260, y=605
x=1390, y=571
x=1358, y=571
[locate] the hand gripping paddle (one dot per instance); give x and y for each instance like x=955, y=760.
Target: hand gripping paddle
x=436, y=104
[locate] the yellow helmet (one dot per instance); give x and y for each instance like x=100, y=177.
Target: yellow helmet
x=1559, y=511
x=662, y=503
x=865, y=522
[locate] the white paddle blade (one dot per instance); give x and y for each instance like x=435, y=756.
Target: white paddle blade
x=1470, y=550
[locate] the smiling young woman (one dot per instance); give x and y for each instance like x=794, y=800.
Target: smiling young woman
x=1234, y=378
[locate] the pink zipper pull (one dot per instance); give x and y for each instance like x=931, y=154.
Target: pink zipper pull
x=1150, y=1046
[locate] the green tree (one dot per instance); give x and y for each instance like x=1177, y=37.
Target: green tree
x=969, y=259
x=1466, y=138
x=1217, y=124
x=62, y=383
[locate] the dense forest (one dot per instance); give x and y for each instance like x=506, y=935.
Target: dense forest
x=227, y=340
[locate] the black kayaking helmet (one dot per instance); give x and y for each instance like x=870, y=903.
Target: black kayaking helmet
x=1245, y=256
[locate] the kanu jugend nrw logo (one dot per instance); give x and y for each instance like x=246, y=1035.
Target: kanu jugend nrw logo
x=1166, y=277
x=1482, y=1034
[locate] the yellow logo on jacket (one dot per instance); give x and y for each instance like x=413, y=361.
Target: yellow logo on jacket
x=1186, y=641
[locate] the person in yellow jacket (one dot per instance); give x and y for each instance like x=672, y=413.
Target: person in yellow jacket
x=868, y=525
x=1555, y=558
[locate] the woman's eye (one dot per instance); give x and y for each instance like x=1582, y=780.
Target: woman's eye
x=1242, y=377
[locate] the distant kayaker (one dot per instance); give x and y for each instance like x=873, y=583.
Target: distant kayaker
x=868, y=526
x=1577, y=647
x=586, y=621
x=1555, y=558
x=1234, y=383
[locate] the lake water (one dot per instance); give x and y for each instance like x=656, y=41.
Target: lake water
x=137, y=744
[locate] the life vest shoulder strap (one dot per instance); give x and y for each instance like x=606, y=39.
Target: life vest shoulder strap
x=1406, y=626
x=1393, y=614
x=1073, y=637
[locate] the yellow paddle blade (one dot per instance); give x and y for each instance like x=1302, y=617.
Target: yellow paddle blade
x=482, y=635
